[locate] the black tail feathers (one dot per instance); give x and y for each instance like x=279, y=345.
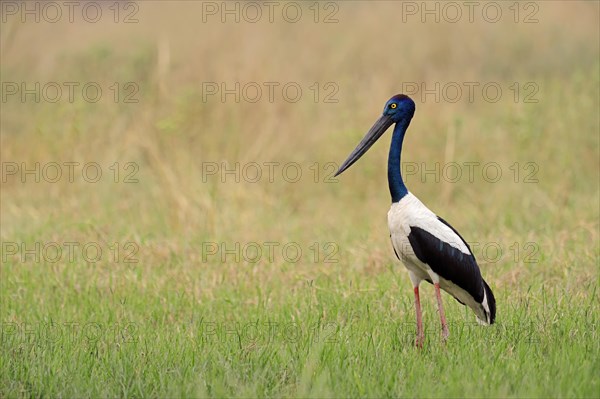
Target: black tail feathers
x=491, y=302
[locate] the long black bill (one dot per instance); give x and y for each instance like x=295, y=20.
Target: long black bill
x=370, y=138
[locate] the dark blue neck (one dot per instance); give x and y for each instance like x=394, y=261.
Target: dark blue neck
x=397, y=187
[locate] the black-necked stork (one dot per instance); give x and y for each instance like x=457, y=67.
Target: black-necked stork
x=428, y=246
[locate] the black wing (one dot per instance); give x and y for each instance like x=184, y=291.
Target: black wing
x=455, y=232
x=448, y=262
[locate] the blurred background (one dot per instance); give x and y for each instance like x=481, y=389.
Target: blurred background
x=168, y=58
x=185, y=97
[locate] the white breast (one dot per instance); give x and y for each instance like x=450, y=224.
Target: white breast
x=409, y=211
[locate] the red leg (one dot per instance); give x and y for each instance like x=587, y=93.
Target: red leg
x=445, y=332
x=420, y=334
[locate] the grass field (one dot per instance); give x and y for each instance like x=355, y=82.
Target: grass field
x=215, y=256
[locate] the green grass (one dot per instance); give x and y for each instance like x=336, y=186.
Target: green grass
x=337, y=322
x=326, y=337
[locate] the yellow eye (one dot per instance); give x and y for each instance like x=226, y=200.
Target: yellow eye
x=393, y=105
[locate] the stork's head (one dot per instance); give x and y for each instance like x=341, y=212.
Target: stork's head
x=398, y=109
